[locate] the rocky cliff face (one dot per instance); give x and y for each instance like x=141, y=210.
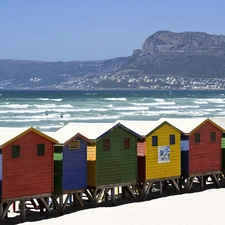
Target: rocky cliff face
x=167, y=41
x=188, y=54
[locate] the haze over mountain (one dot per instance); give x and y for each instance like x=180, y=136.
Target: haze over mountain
x=166, y=59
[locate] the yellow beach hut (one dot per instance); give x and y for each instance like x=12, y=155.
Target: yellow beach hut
x=158, y=154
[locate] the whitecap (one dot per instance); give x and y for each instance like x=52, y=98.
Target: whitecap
x=155, y=103
x=56, y=99
x=201, y=102
x=43, y=99
x=130, y=108
x=16, y=106
x=177, y=107
x=116, y=99
x=47, y=106
x=110, y=106
x=159, y=100
x=212, y=110
x=215, y=100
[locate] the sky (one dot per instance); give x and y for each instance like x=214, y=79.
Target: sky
x=201, y=208
x=82, y=30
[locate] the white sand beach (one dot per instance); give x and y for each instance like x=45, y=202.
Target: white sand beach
x=205, y=207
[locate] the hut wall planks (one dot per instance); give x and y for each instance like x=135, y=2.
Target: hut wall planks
x=28, y=172
x=156, y=166
x=205, y=155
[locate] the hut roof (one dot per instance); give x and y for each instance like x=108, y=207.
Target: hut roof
x=141, y=127
x=189, y=125
x=64, y=138
x=10, y=134
x=92, y=131
x=144, y=128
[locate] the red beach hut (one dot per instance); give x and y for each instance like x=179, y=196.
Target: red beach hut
x=26, y=167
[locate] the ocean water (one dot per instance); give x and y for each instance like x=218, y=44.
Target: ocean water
x=49, y=110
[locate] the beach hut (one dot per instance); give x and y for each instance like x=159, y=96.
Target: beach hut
x=70, y=167
x=158, y=154
x=201, y=155
x=111, y=161
x=26, y=163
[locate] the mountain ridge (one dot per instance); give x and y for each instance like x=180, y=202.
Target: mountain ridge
x=184, y=56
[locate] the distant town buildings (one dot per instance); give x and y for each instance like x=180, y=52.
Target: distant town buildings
x=143, y=82
x=124, y=81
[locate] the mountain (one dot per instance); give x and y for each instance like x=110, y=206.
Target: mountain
x=166, y=60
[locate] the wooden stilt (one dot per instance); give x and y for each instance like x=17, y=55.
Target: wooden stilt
x=45, y=202
x=94, y=197
x=147, y=190
x=5, y=209
x=63, y=207
x=175, y=185
x=123, y=192
x=164, y=184
x=78, y=197
x=56, y=204
x=74, y=200
x=160, y=188
x=61, y=200
x=1, y=212
x=131, y=192
x=100, y=193
x=202, y=182
x=215, y=179
x=106, y=195
x=22, y=211
x=190, y=181
x=113, y=200
x=89, y=196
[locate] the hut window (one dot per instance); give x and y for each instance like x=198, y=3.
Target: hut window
x=40, y=149
x=15, y=151
x=74, y=145
x=223, y=134
x=154, y=140
x=197, y=137
x=172, y=139
x=126, y=143
x=213, y=136
x=106, y=144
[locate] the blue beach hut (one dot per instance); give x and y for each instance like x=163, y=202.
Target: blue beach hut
x=70, y=167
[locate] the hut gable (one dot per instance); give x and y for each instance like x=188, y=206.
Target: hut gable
x=9, y=135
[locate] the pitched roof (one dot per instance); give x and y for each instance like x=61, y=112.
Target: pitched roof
x=189, y=125
x=140, y=127
x=10, y=134
x=184, y=124
x=65, y=138
x=144, y=128
x=92, y=131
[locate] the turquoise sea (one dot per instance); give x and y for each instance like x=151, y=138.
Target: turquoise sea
x=49, y=110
